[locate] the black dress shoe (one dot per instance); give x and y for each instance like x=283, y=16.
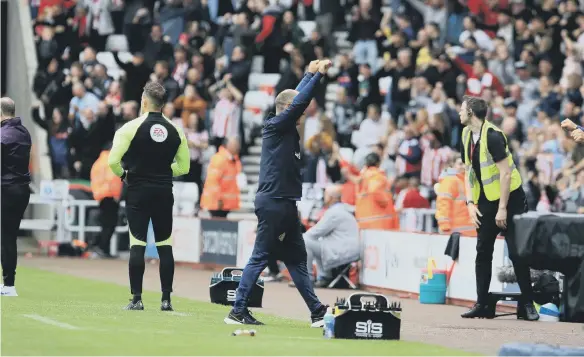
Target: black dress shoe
x=480, y=311
x=527, y=312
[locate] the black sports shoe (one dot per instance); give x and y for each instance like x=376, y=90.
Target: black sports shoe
x=243, y=318
x=166, y=306
x=135, y=305
x=527, y=312
x=317, y=317
x=480, y=311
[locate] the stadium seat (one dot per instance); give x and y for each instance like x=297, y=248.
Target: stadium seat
x=189, y=195
x=265, y=82
x=257, y=64
x=257, y=101
x=385, y=85
x=116, y=43
x=107, y=59
x=307, y=27
x=346, y=154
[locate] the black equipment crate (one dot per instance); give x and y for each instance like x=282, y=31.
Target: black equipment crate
x=224, y=285
x=367, y=316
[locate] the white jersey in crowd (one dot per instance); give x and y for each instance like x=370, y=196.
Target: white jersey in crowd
x=226, y=119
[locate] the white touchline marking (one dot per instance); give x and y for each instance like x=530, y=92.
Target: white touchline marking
x=48, y=321
x=176, y=313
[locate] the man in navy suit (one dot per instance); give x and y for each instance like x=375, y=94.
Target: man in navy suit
x=279, y=233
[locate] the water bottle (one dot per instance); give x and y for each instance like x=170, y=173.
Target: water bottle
x=244, y=333
x=329, y=324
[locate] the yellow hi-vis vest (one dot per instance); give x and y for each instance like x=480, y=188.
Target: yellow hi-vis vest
x=490, y=176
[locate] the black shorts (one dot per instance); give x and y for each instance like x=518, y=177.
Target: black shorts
x=145, y=203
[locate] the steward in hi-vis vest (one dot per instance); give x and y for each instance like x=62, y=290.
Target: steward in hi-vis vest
x=494, y=196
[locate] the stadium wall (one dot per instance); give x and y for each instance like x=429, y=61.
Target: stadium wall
x=21, y=68
x=392, y=262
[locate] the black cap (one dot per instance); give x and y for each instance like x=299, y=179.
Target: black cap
x=510, y=103
x=520, y=65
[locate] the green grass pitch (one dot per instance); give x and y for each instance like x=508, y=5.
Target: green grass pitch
x=63, y=315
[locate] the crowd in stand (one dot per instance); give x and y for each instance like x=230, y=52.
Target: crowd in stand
x=397, y=90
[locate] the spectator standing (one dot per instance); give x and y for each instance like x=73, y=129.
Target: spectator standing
x=433, y=12
x=371, y=132
x=190, y=102
x=374, y=208
x=368, y=89
x=162, y=76
x=137, y=23
x=345, y=119
x=270, y=36
x=107, y=190
x=156, y=48
x=239, y=69
x=57, y=133
x=411, y=197
x=100, y=22
x=451, y=212
x=227, y=112
x=80, y=103
x=409, y=160
x=198, y=141
x=364, y=24
x=478, y=77
x=221, y=191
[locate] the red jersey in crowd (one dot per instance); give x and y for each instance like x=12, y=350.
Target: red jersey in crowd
x=475, y=84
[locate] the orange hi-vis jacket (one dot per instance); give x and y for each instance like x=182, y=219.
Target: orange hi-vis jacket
x=451, y=211
x=348, y=191
x=221, y=183
x=104, y=183
x=375, y=208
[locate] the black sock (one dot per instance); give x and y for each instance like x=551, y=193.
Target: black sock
x=136, y=298
x=166, y=269
x=136, y=268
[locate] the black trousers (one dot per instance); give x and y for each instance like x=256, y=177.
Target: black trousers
x=194, y=175
x=219, y=214
x=145, y=203
x=14, y=202
x=108, y=216
x=272, y=56
x=487, y=234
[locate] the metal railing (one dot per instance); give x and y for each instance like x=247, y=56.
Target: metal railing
x=67, y=216
x=418, y=220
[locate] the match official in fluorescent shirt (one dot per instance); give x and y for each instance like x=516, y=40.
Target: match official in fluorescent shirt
x=280, y=185
x=153, y=150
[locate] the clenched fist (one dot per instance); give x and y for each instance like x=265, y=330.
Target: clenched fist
x=324, y=65
x=313, y=66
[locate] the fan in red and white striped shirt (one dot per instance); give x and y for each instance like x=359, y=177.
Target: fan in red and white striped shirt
x=434, y=158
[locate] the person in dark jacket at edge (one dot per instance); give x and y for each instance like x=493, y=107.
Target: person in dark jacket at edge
x=270, y=36
x=280, y=186
x=137, y=75
x=16, y=144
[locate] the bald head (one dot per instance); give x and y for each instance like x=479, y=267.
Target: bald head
x=7, y=107
x=232, y=145
x=332, y=194
x=284, y=99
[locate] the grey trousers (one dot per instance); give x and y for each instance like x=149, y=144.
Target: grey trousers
x=314, y=254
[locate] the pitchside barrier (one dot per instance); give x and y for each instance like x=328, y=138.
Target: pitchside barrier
x=390, y=260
